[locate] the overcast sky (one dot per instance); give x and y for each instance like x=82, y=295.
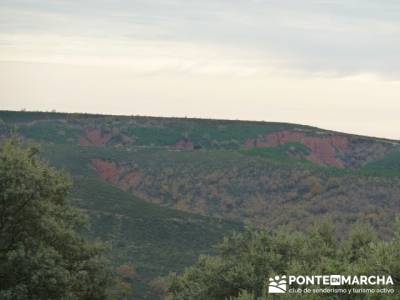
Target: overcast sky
x=332, y=64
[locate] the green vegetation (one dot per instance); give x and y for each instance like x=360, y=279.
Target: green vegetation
x=231, y=185
x=157, y=207
x=152, y=240
x=210, y=134
x=41, y=255
x=289, y=153
x=29, y=116
x=145, y=131
x=156, y=240
x=50, y=132
x=245, y=261
x=388, y=166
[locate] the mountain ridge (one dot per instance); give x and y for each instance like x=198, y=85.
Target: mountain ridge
x=101, y=115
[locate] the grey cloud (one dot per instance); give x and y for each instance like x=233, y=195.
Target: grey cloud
x=339, y=37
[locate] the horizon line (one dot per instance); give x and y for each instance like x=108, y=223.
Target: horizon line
x=53, y=111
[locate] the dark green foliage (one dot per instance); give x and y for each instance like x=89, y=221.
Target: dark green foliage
x=41, y=256
x=388, y=166
x=246, y=260
x=50, y=132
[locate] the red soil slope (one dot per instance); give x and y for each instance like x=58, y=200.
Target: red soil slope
x=94, y=137
x=117, y=175
x=324, y=150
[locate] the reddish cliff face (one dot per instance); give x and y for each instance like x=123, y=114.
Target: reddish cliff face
x=117, y=175
x=108, y=171
x=94, y=137
x=324, y=150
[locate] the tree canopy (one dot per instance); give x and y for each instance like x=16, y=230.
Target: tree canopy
x=41, y=254
x=244, y=262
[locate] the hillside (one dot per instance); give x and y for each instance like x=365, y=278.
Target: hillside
x=161, y=191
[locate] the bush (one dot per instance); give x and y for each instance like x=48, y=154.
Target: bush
x=246, y=260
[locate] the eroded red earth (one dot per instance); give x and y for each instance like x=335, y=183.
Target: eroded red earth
x=120, y=176
x=95, y=137
x=324, y=150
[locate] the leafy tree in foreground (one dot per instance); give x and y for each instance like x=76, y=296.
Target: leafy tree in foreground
x=41, y=255
x=245, y=261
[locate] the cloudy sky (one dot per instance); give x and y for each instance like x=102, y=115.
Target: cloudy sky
x=332, y=64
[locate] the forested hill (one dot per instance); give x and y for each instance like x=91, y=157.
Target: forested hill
x=161, y=191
